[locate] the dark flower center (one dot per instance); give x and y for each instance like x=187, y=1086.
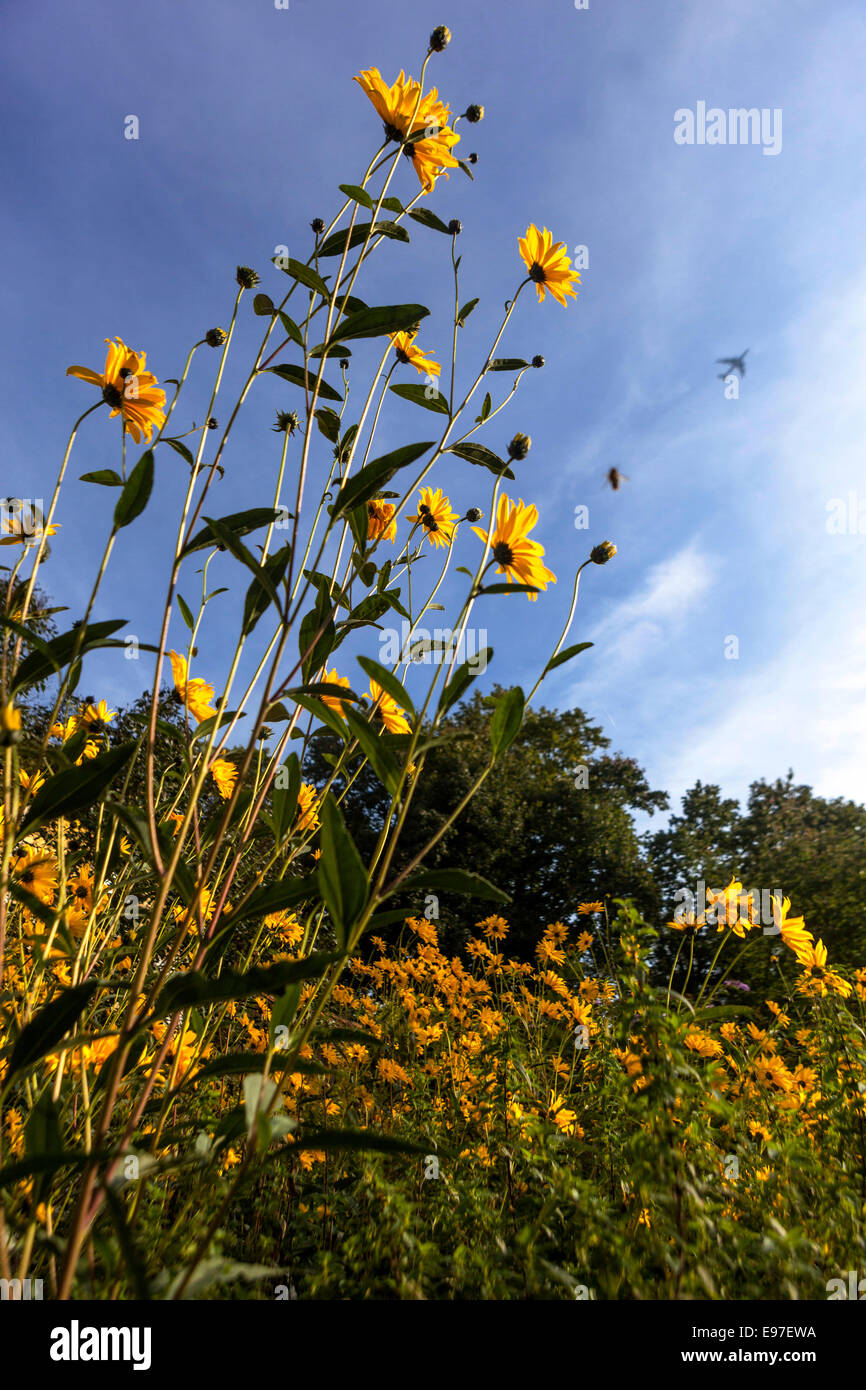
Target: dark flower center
x=112, y=396
x=536, y=273
x=503, y=553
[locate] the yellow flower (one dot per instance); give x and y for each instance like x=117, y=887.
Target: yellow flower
x=380, y=525
x=18, y=528
x=584, y=909
x=817, y=976
x=516, y=556
x=390, y=713
x=96, y=714
x=10, y=719
x=408, y=353
x=494, y=928
x=127, y=388
x=195, y=694
x=308, y=802
x=548, y=265
x=396, y=105
x=225, y=775
x=79, y=890
x=435, y=514
x=332, y=701
x=791, y=929
x=37, y=874
x=703, y=1044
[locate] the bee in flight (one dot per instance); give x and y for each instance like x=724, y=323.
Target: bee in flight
x=614, y=477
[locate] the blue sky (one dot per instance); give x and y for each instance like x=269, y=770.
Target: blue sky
x=248, y=121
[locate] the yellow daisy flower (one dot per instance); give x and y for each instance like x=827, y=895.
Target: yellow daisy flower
x=517, y=557
x=410, y=355
x=392, y=716
x=195, y=694
x=548, y=265
x=127, y=388
x=435, y=514
x=380, y=525
x=225, y=774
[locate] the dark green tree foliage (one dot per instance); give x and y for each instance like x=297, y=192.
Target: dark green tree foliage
x=787, y=838
x=546, y=841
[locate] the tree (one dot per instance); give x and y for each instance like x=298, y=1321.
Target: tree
x=551, y=824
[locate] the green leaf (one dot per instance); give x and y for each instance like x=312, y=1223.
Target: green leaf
x=393, y=205
x=466, y=311
x=192, y=987
x=387, y=681
x=507, y=719
x=303, y=273
x=380, y=758
x=316, y=635
x=53, y=1022
x=185, y=612
x=136, y=492
x=263, y=305
x=482, y=457
x=239, y=523
x=506, y=364
x=70, y=791
x=452, y=881
x=244, y=1063
x=179, y=448
x=50, y=657
x=275, y=897
x=429, y=219
x=106, y=476
x=284, y=799
x=463, y=678
x=132, y=1260
x=376, y=474
x=509, y=589
x=329, y=423
x=260, y=593
x=566, y=655
x=291, y=328
x=336, y=243
x=228, y=538
x=360, y=195
x=332, y=1140
x=427, y=396
x=298, y=377
x=42, y=1138
x=385, y=318
x=342, y=877
x=323, y=713
x=467, y=171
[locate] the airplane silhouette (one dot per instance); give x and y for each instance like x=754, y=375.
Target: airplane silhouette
x=734, y=364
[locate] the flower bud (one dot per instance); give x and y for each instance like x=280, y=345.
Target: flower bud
x=472, y=159
x=212, y=424
x=538, y=360
x=246, y=277
x=474, y=514
x=215, y=337
x=600, y=554
x=455, y=226
x=317, y=225
x=287, y=422
x=475, y=114
x=440, y=38
x=519, y=447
